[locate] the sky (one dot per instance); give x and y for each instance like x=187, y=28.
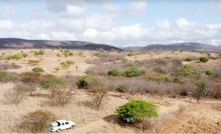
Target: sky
x=120, y=23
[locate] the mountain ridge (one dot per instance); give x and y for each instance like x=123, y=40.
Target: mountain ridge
x=10, y=43
x=187, y=46
x=25, y=43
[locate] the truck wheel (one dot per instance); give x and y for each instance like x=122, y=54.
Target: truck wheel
x=58, y=130
x=72, y=126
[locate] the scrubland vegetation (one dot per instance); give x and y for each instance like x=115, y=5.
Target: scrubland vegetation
x=45, y=85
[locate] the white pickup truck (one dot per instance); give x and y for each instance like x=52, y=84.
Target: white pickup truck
x=61, y=125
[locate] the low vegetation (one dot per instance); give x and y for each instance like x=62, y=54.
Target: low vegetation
x=51, y=81
x=133, y=71
x=38, y=70
x=204, y=59
x=37, y=121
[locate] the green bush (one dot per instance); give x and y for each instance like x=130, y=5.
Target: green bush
x=136, y=110
x=124, y=60
x=58, y=55
x=24, y=55
x=209, y=72
x=122, y=88
x=219, y=55
x=70, y=62
x=66, y=64
x=38, y=70
x=97, y=54
x=189, y=59
x=204, y=59
x=113, y=72
x=200, y=91
x=37, y=121
x=89, y=81
x=5, y=76
x=70, y=54
x=158, y=78
x=40, y=52
x=160, y=70
x=133, y=71
x=185, y=71
x=51, y=81
x=177, y=61
x=16, y=57
x=130, y=54
x=33, y=61
x=181, y=50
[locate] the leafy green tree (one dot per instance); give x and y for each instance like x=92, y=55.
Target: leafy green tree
x=133, y=71
x=200, y=91
x=136, y=110
x=113, y=72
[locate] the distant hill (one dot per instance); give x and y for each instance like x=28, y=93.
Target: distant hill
x=187, y=46
x=23, y=43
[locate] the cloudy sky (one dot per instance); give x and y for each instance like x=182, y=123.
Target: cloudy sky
x=117, y=22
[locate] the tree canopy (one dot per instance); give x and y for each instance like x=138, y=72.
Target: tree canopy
x=137, y=110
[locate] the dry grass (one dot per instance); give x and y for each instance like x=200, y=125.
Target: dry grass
x=176, y=114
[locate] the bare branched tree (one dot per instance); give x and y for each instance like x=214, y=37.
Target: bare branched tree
x=98, y=96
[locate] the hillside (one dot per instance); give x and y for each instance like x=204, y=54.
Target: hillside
x=187, y=46
x=23, y=43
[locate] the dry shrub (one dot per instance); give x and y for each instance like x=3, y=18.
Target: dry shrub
x=105, y=57
x=37, y=121
x=138, y=85
x=31, y=79
x=90, y=82
x=98, y=96
x=8, y=76
x=17, y=93
x=71, y=81
x=103, y=69
x=8, y=66
x=60, y=96
x=214, y=89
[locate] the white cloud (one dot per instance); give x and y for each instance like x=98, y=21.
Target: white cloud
x=182, y=22
x=74, y=10
x=137, y=7
x=110, y=7
x=73, y=21
x=63, y=35
x=6, y=25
